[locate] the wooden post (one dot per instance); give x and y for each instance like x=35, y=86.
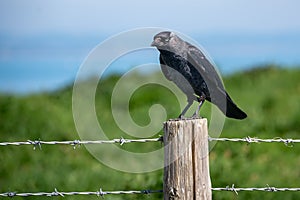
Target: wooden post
x=186, y=162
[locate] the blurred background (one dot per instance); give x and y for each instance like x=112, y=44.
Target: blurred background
x=42, y=44
x=255, y=44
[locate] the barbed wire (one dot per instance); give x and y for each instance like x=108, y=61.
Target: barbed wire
x=57, y=193
x=102, y=193
x=121, y=141
x=287, y=142
x=74, y=143
x=262, y=189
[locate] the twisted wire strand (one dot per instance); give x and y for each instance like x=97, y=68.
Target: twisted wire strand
x=74, y=143
x=102, y=193
x=261, y=189
x=121, y=141
x=97, y=193
x=288, y=142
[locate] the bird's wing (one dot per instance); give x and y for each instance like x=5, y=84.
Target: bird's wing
x=164, y=68
x=212, y=79
x=204, y=67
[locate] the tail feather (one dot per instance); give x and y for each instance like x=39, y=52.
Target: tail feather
x=232, y=110
x=227, y=106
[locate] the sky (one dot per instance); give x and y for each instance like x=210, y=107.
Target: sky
x=93, y=16
x=43, y=43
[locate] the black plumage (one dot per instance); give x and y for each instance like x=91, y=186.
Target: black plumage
x=192, y=72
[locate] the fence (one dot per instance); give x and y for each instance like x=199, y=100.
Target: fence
x=101, y=193
x=169, y=192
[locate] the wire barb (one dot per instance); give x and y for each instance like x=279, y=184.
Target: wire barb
x=36, y=143
x=11, y=194
x=232, y=189
x=75, y=144
x=100, y=193
x=56, y=193
x=122, y=141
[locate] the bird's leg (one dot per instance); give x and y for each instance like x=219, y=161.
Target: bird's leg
x=201, y=100
x=190, y=102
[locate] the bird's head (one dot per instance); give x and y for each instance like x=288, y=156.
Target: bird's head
x=163, y=40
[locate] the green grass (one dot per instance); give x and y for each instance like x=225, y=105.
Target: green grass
x=269, y=95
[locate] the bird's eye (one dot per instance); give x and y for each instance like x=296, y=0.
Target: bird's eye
x=165, y=39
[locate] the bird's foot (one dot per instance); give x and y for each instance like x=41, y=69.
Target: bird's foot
x=180, y=117
x=196, y=116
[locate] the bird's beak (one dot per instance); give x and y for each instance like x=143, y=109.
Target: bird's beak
x=156, y=42
x=153, y=44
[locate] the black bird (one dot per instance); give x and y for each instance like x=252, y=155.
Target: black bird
x=191, y=71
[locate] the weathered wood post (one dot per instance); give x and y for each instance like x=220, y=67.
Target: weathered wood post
x=186, y=162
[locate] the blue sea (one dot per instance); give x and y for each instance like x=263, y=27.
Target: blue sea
x=31, y=64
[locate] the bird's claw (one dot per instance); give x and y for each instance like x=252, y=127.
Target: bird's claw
x=182, y=117
x=196, y=116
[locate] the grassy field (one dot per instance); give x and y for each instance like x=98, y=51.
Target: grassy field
x=269, y=95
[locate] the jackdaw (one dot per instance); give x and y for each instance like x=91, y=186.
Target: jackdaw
x=193, y=73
